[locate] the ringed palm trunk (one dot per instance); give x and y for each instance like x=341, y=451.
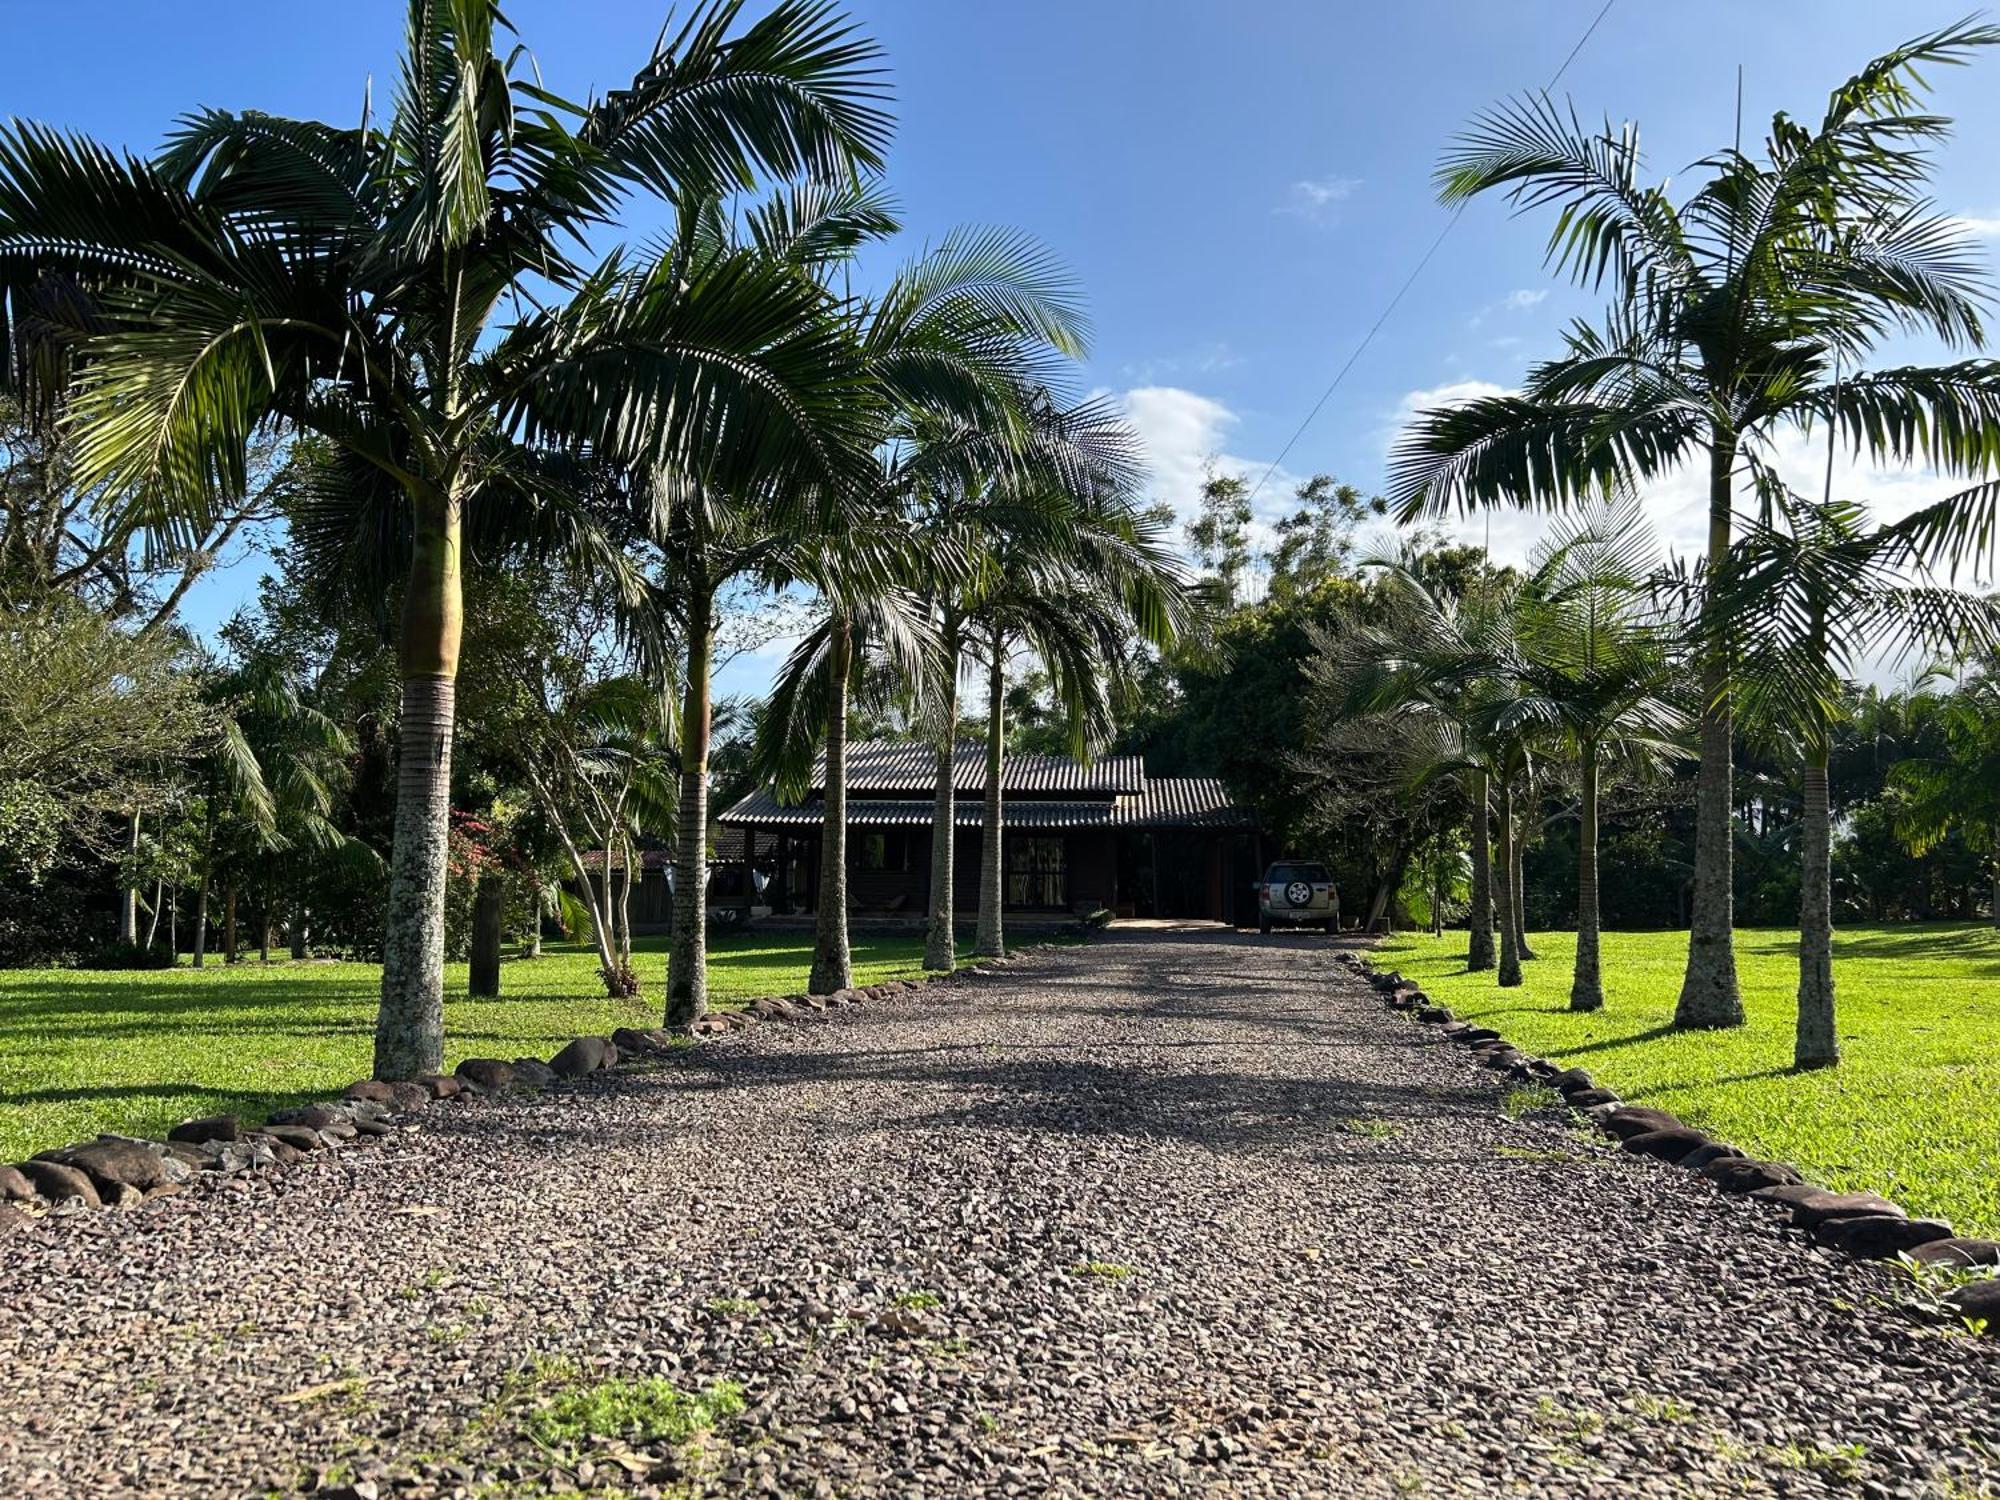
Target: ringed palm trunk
x=1817, y=1044
x=409, y=1027
x=1709, y=995
x=488, y=904
x=687, y=955
x=990, y=941
x=201, y=920
x=1586, y=990
x=940, y=938
x=832, y=965
x=1479, y=943
x=207, y=875
x=1510, y=932
x=1520, y=886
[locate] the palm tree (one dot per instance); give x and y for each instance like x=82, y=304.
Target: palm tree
x=961, y=340
x=1734, y=313
x=1071, y=589
x=973, y=493
x=1595, y=667
x=1429, y=668
x=874, y=645
x=344, y=281
x=1816, y=590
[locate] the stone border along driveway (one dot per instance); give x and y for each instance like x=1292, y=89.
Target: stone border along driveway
x=124, y=1171
x=1172, y=1214
x=1866, y=1225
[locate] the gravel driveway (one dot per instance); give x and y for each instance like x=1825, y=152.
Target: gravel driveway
x=1174, y=1213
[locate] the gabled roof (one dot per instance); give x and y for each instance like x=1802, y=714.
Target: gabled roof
x=875, y=766
x=1165, y=802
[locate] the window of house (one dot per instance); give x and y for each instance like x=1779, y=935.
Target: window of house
x=1037, y=870
x=874, y=851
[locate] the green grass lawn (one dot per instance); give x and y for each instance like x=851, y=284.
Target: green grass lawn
x=1913, y=1110
x=84, y=1051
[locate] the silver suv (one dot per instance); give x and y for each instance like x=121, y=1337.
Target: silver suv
x=1297, y=893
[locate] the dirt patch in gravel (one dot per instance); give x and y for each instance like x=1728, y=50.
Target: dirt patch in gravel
x=1187, y=1212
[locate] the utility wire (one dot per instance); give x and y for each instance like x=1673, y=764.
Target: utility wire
x=1411, y=280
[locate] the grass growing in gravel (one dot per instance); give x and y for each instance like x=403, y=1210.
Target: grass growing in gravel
x=1912, y=1111
x=83, y=1051
x=653, y=1410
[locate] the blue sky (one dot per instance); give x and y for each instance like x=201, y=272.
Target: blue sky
x=1240, y=186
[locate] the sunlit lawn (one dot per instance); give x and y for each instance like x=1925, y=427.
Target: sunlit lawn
x=84, y=1051
x=1913, y=1110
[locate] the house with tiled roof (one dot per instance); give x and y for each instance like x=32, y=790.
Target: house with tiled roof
x=1077, y=836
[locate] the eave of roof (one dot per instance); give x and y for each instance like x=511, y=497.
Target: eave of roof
x=902, y=766
x=1194, y=802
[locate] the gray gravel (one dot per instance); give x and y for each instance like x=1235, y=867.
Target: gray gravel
x=1171, y=1214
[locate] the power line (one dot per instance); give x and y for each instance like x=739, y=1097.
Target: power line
x=1411, y=280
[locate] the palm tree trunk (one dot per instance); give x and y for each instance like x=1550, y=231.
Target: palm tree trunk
x=1510, y=932
x=1817, y=1044
x=1520, y=886
x=687, y=954
x=940, y=938
x=1709, y=994
x=990, y=940
x=832, y=966
x=488, y=904
x=263, y=938
x=201, y=919
x=207, y=872
x=229, y=923
x=409, y=1027
x=621, y=914
x=1586, y=990
x=128, y=899
x=1479, y=942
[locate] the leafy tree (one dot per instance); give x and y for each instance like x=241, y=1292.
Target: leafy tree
x=95, y=723
x=1957, y=789
x=1219, y=536
x=1736, y=312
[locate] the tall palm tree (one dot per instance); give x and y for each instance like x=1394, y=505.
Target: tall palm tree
x=874, y=645
x=974, y=493
x=1428, y=663
x=1816, y=590
x=1595, y=667
x=1734, y=314
x=344, y=282
x=1071, y=591
x=960, y=338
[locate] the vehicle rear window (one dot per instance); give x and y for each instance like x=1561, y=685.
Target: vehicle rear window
x=1286, y=874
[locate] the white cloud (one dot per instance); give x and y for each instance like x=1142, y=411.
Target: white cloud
x=1521, y=299
x=1209, y=359
x=1316, y=199
x=1977, y=227
x=1185, y=434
